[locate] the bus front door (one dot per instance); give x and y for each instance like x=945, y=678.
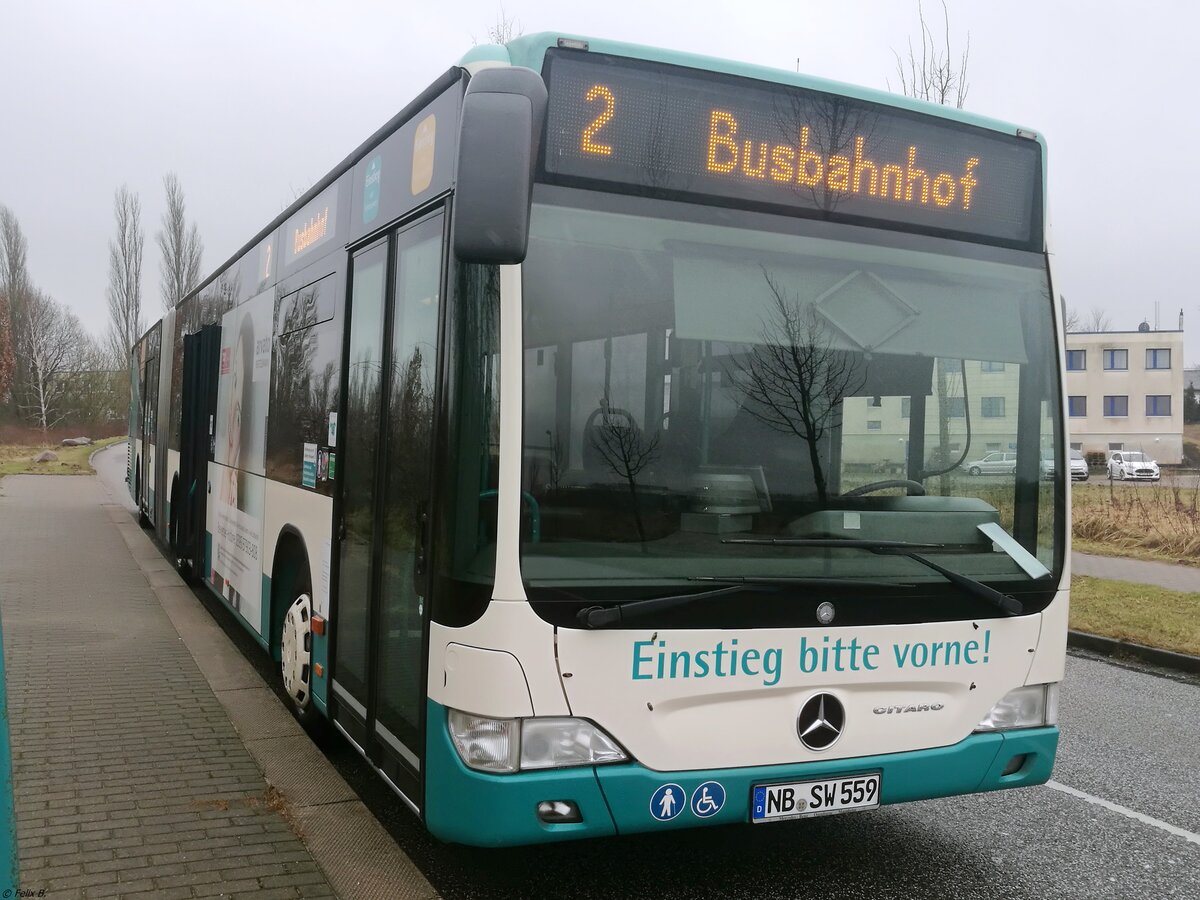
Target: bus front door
x=379, y=622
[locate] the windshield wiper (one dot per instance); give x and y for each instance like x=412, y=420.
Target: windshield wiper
x=817, y=581
x=599, y=616
x=1006, y=604
x=836, y=542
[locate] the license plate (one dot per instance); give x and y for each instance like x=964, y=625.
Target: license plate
x=773, y=802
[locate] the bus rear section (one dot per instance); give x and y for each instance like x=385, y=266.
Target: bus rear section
x=730, y=565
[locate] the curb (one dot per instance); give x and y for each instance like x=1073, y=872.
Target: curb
x=1107, y=646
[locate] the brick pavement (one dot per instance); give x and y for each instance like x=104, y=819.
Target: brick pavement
x=130, y=779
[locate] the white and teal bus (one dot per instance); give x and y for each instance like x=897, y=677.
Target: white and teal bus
x=589, y=447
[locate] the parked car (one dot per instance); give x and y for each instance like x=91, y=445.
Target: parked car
x=1079, y=466
x=994, y=463
x=1047, y=465
x=1133, y=465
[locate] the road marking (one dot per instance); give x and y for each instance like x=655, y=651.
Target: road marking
x=1125, y=811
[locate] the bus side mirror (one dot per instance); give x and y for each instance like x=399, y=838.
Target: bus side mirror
x=502, y=117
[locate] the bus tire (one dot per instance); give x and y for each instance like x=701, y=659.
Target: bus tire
x=173, y=524
x=295, y=666
x=143, y=519
x=188, y=570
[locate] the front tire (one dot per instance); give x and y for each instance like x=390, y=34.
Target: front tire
x=974, y=470
x=295, y=652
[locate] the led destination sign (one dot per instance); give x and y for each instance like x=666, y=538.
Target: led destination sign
x=666, y=128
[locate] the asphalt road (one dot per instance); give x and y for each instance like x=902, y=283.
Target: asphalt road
x=1121, y=819
x=110, y=464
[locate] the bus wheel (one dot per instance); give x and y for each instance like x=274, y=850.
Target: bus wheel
x=296, y=658
x=143, y=519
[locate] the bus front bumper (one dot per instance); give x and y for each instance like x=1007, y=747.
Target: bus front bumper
x=469, y=807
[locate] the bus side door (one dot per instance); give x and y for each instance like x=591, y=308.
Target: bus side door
x=380, y=618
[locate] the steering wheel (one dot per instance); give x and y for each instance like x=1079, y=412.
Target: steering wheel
x=915, y=488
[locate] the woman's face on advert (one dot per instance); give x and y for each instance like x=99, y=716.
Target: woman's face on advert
x=233, y=430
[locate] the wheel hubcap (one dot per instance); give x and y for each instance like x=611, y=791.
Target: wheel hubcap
x=296, y=650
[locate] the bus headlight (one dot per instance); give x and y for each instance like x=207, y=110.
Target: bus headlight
x=489, y=745
x=510, y=745
x=1031, y=706
x=552, y=743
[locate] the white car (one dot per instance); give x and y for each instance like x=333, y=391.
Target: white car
x=1048, y=467
x=1132, y=465
x=994, y=463
x=1079, y=467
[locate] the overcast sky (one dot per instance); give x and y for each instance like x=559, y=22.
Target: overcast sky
x=251, y=102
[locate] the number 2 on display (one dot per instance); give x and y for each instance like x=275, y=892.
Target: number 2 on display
x=598, y=92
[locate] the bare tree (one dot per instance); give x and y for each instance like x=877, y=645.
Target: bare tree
x=1097, y=320
x=96, y=394
x=54, y=347
x=795, y=378
x=125, y=275
x=180, y=246
x=503, y=30
x=948, y=383
x=625, y=449
x=14, y=289
x=1071, y=318
x=932, y=74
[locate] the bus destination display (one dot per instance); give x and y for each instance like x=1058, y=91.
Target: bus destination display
x=665, y=128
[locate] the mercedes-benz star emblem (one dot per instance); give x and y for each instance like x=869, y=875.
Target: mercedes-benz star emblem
x=821, y=721
x=825, y=613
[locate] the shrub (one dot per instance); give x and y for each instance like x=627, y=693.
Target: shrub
x=1162, y=520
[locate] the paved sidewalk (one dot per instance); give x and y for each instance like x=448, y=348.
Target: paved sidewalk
x=359, y=858
x=129, y=778
x=1168, y=575
x=150, y=759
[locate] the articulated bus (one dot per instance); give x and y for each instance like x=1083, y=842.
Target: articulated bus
x=589, y=447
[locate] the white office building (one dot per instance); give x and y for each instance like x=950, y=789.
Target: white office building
x=1125, y=391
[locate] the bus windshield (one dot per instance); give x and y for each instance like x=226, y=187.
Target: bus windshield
x=696, y=377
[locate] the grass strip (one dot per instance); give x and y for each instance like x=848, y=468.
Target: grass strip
x=18, y=459
x=1141, y=613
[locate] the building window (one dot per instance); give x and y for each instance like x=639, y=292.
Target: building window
x=1116, y=360
x=956, y=408
x=1158, y=404
x=1117, y=445
x=992, y=446
x=874, y=425
x=1116, y=405
x=875, y=402
x=992, y=407
x=1077, y=406
x=905, y=407
x=1076, y=360
x=1159, y=358
x=986, y=366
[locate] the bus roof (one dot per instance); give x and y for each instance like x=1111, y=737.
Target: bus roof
x=530, y=51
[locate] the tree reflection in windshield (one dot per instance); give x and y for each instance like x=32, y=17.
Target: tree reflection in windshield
x=794, y=378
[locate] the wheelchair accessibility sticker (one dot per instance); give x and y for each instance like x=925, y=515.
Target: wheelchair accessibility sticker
x=708, y=799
